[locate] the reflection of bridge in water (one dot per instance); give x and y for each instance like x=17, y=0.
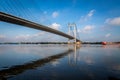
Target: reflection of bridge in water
x=15, y=70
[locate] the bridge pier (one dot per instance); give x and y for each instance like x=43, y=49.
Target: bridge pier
x=78, y=42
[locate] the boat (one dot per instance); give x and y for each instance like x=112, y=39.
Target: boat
x=104, y=43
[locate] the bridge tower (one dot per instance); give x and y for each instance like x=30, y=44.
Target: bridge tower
x=72, y=29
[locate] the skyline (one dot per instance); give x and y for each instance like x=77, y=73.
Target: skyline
x=95, y=20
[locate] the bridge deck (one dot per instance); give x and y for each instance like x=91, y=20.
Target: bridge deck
x=19, y=21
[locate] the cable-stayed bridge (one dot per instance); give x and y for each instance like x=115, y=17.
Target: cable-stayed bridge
x=7, y=14
x=6, y=17
x=19, y=21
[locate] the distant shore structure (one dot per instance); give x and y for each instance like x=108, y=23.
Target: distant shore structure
x=104, y=43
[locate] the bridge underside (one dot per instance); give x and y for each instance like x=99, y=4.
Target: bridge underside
x=19, y=21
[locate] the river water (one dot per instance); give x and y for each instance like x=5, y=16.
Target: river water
x=59, y=62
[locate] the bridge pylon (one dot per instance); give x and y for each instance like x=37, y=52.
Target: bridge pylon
x=72, y=29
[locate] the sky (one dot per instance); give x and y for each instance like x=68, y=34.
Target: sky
x=96, y=20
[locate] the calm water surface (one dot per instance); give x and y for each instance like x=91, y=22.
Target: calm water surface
x=59, y=62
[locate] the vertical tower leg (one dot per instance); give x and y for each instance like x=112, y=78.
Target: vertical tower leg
x=70, y=25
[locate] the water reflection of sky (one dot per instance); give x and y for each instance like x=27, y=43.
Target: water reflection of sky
x=15, y=55
x=86, y=63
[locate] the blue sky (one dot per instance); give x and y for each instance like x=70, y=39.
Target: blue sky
x=96, y=20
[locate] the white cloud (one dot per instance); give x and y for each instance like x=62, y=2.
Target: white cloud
x=24, y=37
x=55, y=14
x=28, y=36
x=108, y=35
x=87, y=29
x=55, y=26
x=38, y=34
x=113, y=21
x=88, y=16
x=2, y=36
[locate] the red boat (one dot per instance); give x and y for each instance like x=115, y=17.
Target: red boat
x=104, y=43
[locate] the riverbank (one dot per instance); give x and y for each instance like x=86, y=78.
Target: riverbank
x=57, y=42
